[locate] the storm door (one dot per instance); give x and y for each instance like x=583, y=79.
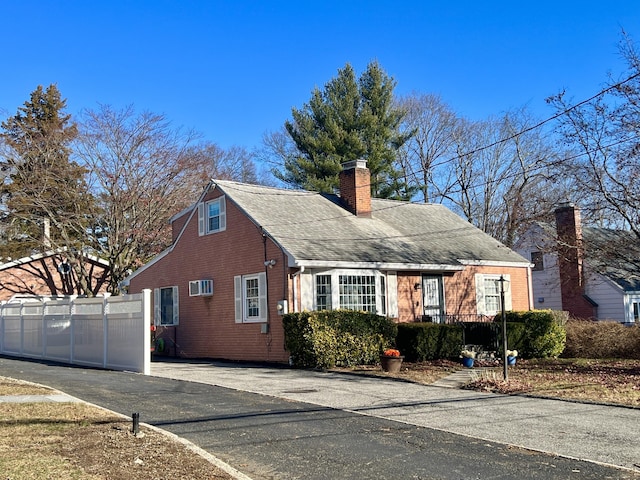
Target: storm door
x=433, y=298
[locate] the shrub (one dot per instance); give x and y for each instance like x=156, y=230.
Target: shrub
x=592, y=339
x=428, y=341
x=542, y=335
x=339, y=337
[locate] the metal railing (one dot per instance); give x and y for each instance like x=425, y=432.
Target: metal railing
x=457, y=318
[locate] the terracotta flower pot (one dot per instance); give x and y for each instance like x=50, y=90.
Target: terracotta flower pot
x=391, y=364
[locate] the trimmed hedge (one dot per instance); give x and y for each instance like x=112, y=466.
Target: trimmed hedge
x=325, y=339
x=428, y=341
x=536, y=333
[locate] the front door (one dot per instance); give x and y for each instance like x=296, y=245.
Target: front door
x=433, y=298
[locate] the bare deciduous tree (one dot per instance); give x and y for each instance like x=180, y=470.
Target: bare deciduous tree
x=435, y=129
x=143, y=171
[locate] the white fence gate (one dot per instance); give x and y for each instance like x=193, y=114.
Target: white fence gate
x=109, y=332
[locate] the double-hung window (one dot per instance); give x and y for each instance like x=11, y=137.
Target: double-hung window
x=165, y=306
x=212, y=216
x=323, y=292
x=488, y=293
x=250, y=298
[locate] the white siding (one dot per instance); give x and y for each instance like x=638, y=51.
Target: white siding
x=608, y=296
x=545, y=283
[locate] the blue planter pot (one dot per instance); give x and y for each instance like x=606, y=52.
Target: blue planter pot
x=467, y=362
x=511, y=360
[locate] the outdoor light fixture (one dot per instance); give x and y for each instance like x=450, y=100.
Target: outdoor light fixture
x=270, y=263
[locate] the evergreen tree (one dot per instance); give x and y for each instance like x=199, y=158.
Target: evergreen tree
x=349, y=119
x=46, y=201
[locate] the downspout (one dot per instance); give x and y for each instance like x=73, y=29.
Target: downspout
x=530, y=287
x=266, y=275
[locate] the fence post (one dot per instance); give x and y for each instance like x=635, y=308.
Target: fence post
x=72, y=321
x=146, y=325
x=105, y=330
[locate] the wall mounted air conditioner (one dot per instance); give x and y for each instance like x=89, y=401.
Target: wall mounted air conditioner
x=200, y=288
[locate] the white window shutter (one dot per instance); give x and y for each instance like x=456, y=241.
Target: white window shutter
x=156, y=307
x=176, y=309
x=237, y=290
x=262, y=294
x=480, y=294
x=223, y=214
x=392, y=294
x=201, y=219
x=307, y=292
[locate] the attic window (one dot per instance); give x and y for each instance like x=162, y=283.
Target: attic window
x=212, y=216
x=537, y=259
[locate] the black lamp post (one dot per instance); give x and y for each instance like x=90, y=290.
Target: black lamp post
x=504, y=328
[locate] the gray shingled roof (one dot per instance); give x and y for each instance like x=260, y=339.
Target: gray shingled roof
x=313, y=228
x=614, y=254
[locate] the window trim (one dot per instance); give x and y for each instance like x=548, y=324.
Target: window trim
x=240, y=294
x=481, y=297
x=382, y=305
x=203, y=216
x=157, y=307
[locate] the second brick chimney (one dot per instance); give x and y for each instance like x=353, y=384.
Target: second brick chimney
x=570, y=262
x=355, y=187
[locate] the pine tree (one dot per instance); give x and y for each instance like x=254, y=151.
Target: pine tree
x=349, y=119
x=43, y=185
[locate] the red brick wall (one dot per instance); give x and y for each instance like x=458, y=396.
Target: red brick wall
x=409, y=299
x=460, y=288
x=177, y=224
x=459, y=292
x=207, y=324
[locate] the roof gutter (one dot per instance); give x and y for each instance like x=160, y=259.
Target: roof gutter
x=378, y=265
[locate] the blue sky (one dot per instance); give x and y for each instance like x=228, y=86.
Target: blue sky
x=233, y=70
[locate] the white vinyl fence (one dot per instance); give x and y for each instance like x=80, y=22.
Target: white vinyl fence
x=103, y=332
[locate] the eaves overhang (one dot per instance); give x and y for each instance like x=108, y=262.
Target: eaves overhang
x=376, y=265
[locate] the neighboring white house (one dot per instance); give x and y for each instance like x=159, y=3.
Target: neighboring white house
x=582, y=270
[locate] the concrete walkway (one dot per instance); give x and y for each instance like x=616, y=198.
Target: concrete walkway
x=597, y=433
x=55, y=397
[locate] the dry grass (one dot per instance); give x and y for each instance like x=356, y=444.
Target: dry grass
x=419, y=372
x=603, y=381
x=69, y=441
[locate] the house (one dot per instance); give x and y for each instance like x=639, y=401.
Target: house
x=244, y=254
x=590, y=272
x=49, y=274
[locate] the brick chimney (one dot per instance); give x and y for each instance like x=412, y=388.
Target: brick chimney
x=355, y=187
x=570, y=262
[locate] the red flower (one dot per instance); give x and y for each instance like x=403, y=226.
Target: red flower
x=391, y=352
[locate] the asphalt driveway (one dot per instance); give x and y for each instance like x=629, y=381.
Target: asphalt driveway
x=280, y=423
